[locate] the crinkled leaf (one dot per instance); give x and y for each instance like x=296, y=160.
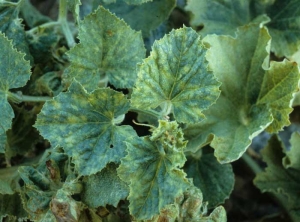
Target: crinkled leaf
x=83, y=124
x=175, y=76
x=254, y=97
x=108, y=48
x=284, y=183
x=284, y=27
x=152, y=170
x=292, y=159
x=215, y=180
x=14, y=73
x=12, y=27
x=150, y=14
x=104, y=188
x=11, y=207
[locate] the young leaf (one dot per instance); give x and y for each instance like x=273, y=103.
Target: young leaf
x=254, y=96
x=85, y=125
x=152, y=170
x=14, y=73
x=175, y=77
x=282, y=182
x=215, y=180
x=150, y=14
x=104, y=188
x=108, y=49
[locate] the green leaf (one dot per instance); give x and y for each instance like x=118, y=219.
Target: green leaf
x=104, y=188
x=235, y=13
x=254, y=96
x=152, y=170
x=85, y=125
x=150, y=14
x=108, y=50
x=292, y=159
x=14, y=73
x=284, y=27
x=215, y=180
x=12, y=27
x=175, y=78
x=282, y=182
x=11, y=207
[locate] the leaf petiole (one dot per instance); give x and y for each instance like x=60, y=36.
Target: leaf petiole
x=19, y=97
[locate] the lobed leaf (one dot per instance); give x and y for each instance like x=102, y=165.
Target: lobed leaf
x=175, y=77
x=14, y=73
x=85, y=126
x=282, y=182
x=254, y=96
x=108, y=48
x=152, y=170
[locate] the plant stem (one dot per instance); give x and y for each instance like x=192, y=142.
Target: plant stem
x=251, y=163
x=62, y=19
x=17, y=98
x=43, y=26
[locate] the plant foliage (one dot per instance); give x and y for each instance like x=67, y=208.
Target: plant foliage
x=111, y=113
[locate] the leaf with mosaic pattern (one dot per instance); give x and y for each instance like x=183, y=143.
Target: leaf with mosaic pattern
x=108, y=51
x=14, y=73
x=255, y=95
x=152, y=170
x=175, y=78
x=86, y=126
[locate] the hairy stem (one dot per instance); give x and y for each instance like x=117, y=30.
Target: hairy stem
x=62, y=19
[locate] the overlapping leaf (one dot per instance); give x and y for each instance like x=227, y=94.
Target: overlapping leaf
x=12, y=27
x=152, y=170
x=215, y=181
x=11, y=208
x=292, y=159
x=14, y=73
x=104, y=188
x=84, y=125
x=175, y=77
x=150, y=14
x=284, y=183
x=108, y=49
x=284, y=22
x=254, y=96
